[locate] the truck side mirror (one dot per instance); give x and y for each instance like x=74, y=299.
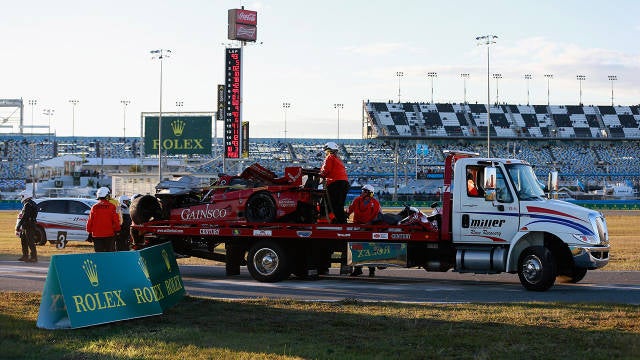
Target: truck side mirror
x=552, y=185
x=489, y=183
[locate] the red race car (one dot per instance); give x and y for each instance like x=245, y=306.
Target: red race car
x=257, y=195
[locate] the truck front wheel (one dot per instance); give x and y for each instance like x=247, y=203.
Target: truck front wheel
x=537, y=268
x=268, y=262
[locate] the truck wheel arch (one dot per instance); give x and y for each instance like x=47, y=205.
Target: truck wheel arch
x=558, y=248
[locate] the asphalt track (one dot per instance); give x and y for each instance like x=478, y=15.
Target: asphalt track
x=389, y=285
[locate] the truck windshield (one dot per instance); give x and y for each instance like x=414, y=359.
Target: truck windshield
x=525, y=182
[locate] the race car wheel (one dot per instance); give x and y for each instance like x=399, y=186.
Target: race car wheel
x=260, y=208
x=268, y=262
x=144, y=208
x=40, y=236
x=537, y=268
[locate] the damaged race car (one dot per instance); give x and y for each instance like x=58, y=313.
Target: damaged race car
x=257, y=195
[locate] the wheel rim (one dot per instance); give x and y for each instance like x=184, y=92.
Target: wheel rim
x=532, y=269
x=266, y=261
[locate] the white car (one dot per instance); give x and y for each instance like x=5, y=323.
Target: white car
x=61, y=220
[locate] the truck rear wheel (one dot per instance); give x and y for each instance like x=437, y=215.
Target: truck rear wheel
x=537, y=268
x=268, y=262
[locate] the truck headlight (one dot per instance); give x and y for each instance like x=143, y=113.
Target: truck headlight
x=589, y=239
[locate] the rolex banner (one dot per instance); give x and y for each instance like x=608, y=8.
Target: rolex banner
x=189, y=134
x=96, y=288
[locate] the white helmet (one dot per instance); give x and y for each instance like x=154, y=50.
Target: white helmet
x=331, y=146
x=24, y=195
x=102, y=192
x=123, y=198
x=369, y=188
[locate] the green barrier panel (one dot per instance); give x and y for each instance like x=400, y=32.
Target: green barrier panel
x=96, y=288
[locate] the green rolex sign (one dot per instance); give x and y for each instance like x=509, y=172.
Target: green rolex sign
x=180, y=134
x=96, y=288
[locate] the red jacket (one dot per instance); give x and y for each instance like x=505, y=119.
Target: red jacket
x=103, y=220
x=365, y=209
x=333, y=169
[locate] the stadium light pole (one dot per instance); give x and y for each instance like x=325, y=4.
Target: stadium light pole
x=464, y=77
x=580, y=78
x=528, y=78
x=160, y=54
x=612, y=78
x=432, y=75
x=488, y=40
x=49, y=113
x=73, y=119
x=124, y=103
x=549, y=77
x=285, y=107
x=399, y=74
x=497, y=77
x=33, y=104
x=338, y=107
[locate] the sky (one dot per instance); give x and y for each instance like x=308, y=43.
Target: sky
x=310, y=54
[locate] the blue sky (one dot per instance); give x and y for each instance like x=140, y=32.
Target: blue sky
x=313, y=54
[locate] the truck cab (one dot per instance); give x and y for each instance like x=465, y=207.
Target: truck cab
x=501, y=220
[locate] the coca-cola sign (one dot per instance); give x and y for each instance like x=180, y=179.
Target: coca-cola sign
x=246, y=17
x=242, y=16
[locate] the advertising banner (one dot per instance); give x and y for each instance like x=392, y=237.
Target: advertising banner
x=232, y=111
x=363, y=253
x=242, y=25
x=187, y=134
x=96, y=288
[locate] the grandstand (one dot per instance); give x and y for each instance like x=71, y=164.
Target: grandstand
x=588, y=145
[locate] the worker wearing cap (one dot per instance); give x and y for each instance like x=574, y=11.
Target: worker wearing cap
x=366, y=210
x=26, y=227
x=336, y=181
x=103, y=223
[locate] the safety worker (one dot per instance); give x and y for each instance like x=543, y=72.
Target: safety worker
x=103, y=223
x=336, y=182
x=26, y=227
x=122, y=241
x=366, y=210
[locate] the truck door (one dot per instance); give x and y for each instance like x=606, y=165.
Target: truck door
x=478, y=218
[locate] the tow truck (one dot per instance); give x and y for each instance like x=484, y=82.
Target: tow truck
x=506, y=224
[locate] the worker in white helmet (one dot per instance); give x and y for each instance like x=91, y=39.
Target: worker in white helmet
x=336, y=182
x=103, y=223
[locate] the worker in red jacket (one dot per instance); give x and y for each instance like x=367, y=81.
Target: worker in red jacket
x=336, y=182
x=103, y=223
x=366, y=210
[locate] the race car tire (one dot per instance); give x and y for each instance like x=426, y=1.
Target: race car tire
x=268, y=262
x=145, y=208
x=40, y=236
x=260, y=208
